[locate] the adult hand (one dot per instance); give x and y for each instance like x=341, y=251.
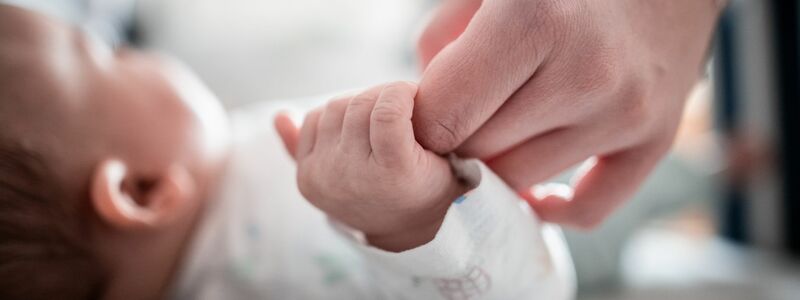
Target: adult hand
x=534, y=87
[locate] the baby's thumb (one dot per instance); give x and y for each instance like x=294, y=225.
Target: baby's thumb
x=288, y=132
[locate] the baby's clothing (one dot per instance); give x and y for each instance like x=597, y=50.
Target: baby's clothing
x=261, y=240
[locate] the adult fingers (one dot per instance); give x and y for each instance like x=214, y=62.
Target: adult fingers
x=330, y=122
x=355, y=129
x=604, y=185
x=308, y=134
x=288, y=132
x=447, y=23
x=391, y=134
x=540, y=106
x=542, y=157
x=474, y=75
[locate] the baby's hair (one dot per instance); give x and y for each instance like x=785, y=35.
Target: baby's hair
x=42, y=252
x=43, y=235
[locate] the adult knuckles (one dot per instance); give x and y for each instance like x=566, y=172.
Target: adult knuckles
x=598, y=65
x=634, y=106
x=627, y=90
x=594, y=59
x=602, y=74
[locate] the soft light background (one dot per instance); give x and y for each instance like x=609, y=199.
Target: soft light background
x=264, y=50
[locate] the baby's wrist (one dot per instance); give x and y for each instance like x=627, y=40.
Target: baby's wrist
x=407, y=238
x=421, y=226
x=415, y=229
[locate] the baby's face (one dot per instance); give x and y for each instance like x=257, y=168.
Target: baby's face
x=98, y=103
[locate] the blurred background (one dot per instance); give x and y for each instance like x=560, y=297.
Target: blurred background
x=718, y=219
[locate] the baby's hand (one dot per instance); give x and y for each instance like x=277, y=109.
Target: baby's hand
x=359, y=162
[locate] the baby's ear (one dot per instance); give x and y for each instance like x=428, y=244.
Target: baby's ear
x=125, y=201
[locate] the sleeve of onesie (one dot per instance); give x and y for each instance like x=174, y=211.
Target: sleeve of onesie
x=490, y=246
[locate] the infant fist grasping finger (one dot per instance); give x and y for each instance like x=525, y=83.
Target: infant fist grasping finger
x=358, y=161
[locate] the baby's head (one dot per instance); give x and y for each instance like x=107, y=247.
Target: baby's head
x=105, y=159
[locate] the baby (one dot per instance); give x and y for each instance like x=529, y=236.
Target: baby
x=121, y=177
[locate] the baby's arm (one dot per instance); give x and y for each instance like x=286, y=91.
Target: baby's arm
x=358, y=161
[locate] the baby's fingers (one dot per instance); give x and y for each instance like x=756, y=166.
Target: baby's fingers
x=391, y=135
x=288, y=132
x=355, y=131
x=308, y=134
x=330, y=122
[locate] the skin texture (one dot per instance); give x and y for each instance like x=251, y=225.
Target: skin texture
x=534, y=87
x=132, y=136
x=359, y=162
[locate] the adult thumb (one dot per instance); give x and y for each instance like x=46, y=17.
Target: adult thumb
x=465, y=83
